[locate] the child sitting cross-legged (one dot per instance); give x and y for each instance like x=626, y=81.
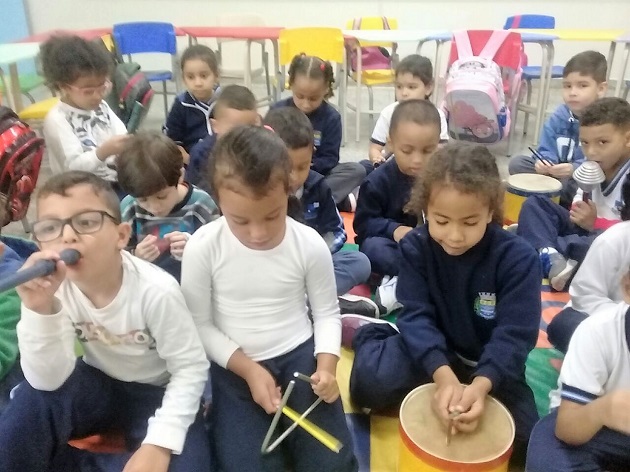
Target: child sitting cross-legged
x=144, y=367
x=161, y=208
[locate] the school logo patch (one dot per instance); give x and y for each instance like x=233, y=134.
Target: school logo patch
x=317, y=138
x=485, y=305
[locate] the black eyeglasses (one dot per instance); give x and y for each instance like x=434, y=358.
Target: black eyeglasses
x=87, y=222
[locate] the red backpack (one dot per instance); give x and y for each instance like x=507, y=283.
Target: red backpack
x=21, y=152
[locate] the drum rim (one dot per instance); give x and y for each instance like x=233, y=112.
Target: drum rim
x=439, y=461
x=556, y=183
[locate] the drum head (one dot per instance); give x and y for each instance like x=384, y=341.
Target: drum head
x=534, y=183
x=492, y=438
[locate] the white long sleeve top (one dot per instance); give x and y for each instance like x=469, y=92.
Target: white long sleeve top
x=72, y=136
x=146, y=335
x=256, y=300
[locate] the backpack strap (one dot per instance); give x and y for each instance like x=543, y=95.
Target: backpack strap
x=462, y=43
x=494, y=44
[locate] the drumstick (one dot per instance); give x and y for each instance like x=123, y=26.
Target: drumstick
x=538, y=156
x=449, y=432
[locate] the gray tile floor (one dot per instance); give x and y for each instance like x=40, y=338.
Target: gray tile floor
x=352, y=151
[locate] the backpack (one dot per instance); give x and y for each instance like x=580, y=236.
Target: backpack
x=21, y=152
x=372, y=57
x=475, y=102
x=131, y=94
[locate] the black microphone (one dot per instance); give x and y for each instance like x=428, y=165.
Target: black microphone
x=39, y=269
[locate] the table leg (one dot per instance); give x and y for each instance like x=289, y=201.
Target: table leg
x=620, y=82
x=276, y=67
x=611, y=58
x=8, y=96
x=247, y=73
x=543, y=96
x=357, y=104
x=343, y=100
x=16, y=93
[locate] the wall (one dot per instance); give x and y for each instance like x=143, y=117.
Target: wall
x=420, y=14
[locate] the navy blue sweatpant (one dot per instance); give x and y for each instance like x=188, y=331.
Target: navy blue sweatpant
x=382, y=374
x=544, y=223
x=240, y=424
x=608, y=450
x=383, y=253
x=36, y=425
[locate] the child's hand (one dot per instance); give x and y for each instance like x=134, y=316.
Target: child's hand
x=400, y=232
x=448, y=393
x=263, y=388
x=177, y=241
x=542, y=169
x=147, y=248
x=113, y=146
x=561, y=171
x=325, y=386
x=617, y=415
x=584, y=214
x=149, y=458
x=471, y=405
x=38, y=294
x=185, y=155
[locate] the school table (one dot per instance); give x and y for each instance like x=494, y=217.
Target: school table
x=10, y=55
x=544, y=38
x=625, y=40
x=360, y=38
x=249, y=34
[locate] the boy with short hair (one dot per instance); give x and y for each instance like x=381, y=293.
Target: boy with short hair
x=144, y=366
x=317, y=207
x=562, y=237
x=235, y=106
x=161, y=208
x=590, y=428
x=413, y=80
x=583, y=82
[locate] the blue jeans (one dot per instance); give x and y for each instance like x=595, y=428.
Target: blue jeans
x=240, y=425
x=351, y=268
x=36, y=425
x=607, y=450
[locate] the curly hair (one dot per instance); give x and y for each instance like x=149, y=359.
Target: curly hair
x=468, y=168
x=313, y=68
x=67, y=58
x=608, y=110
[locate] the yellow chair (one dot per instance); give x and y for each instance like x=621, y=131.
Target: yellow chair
x=325, y=43
x=372, y=77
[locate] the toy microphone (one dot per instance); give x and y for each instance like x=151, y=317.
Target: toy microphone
x=588, y=175
x=39, y=269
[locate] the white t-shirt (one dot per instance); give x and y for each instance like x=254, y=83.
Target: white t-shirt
x=608, y=200
x=597, y=283
x=72, y=136
x=598, y=359
x=145, y=335
x=381, y=129
x=256, y=300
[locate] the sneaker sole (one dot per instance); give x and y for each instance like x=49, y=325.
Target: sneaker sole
x=559, y=282
x=370, y=320
x=358, y=299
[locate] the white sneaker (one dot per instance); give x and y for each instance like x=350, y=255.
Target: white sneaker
x=386, y=295
x=560, y=280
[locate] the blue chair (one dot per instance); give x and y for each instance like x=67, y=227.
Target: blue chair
x=149, y=37
x=532, y=72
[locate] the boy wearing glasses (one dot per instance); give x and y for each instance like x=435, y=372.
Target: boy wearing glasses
x=161, y=208
x=81, y=131
x=144, y=367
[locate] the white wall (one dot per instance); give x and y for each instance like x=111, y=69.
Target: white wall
x=421, y=14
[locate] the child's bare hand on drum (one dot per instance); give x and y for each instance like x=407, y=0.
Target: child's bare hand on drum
x=561, y=171
x=448, y=393
x=584, y=214
x=472, y=404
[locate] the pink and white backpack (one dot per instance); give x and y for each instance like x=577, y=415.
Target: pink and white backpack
x=475, y=102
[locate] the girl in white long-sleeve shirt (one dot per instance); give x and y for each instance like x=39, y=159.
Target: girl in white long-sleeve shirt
x=246, y=278
x=81, y=131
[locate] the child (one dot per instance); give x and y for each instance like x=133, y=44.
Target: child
x=161, y=208
x=562, y=237
x=381, y=221
x=414, y=80
x=188, y=121
x=589, y=430
x=144, y=366
x=317, y=205
x=235, y=106
x=81, y=131
x=471, y=301
x=583, y=82
x=311, y=81
x=596, y=283
x=246, y=277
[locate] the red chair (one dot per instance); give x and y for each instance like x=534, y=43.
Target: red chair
x=508, y=58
